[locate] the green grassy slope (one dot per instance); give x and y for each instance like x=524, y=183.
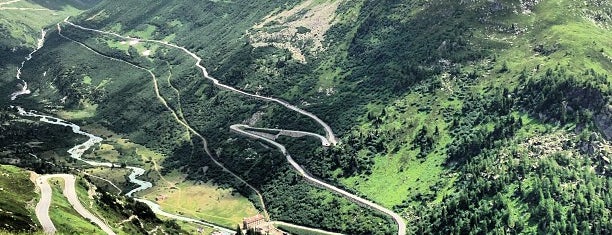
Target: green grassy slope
x=23, y=26
x=411, y=153
x=21, y=23
x=17, y=196
x=427, y=109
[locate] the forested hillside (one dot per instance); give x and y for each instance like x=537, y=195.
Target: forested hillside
x=480, y=116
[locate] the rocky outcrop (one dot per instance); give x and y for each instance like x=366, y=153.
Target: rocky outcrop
x=603, y=121
x=301, y=30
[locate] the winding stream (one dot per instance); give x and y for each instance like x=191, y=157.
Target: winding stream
x=77, y=151
x=24, y=85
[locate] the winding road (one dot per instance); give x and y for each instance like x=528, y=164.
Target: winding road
x=178, y=119
x=328, y=140
x=243, y=130
x=42, y=208
x=77, y=151
x=328, y=131
x=317, y=231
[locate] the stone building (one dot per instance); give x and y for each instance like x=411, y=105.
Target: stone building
x=253, y=222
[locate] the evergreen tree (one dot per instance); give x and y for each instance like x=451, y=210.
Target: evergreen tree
x=239, y=230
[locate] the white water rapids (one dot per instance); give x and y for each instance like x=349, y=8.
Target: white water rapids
x=23, y=87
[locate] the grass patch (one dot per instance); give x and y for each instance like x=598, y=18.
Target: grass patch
x=192, y=228
x=390, y=185
x=116, y=175
x=404, y=171
x=25, y=25
x=205, y=201
x=87, y=110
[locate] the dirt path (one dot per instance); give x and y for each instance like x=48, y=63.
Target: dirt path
x=9, y=2
x=105, y=180
x=157, y=210
x=177, y=92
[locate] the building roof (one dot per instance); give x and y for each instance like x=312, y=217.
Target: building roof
x=253, y=219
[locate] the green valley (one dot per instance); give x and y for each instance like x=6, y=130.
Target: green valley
x=311, y=116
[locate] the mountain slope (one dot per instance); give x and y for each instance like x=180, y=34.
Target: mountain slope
x=448, y=112
x=16, y=196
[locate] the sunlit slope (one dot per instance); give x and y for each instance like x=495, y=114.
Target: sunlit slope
x=22, y=20
x=17, y=195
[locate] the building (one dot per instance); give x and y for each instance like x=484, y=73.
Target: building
x=253, y=222
x=161, y=197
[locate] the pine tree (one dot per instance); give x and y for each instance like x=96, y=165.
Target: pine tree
x=504, y=68
x=239, y=230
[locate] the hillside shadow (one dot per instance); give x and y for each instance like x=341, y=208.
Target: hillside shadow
x=10, y=61
x=61, y=4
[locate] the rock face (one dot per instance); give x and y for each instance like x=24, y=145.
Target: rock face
x=599, y=12
x=528, y=5
x=604, y=122
x=298, y=29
